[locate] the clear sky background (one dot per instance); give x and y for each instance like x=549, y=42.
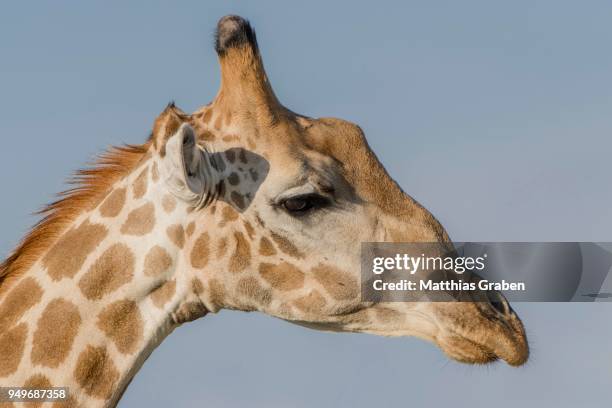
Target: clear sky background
x=497, y=116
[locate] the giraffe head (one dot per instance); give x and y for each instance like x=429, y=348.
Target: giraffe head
x=279, y=203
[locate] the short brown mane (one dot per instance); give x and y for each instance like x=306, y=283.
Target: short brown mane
x=91, y=185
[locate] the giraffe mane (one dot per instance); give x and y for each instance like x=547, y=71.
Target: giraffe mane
x=90, y=186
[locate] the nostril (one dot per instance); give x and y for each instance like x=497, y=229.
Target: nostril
x=499, y=302
x=499, y=306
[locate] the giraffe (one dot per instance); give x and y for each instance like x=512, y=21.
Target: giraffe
x=242, y=205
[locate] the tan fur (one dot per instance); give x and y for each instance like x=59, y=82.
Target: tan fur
x=37, y=381
x=112, y=206
x=66, y=257
x=310, y=303
x=265, y=247
x=176, y=233
x=140, y=221
x=221, y=248
x=157, y=261
x=114, y=268
x=254, y=295
x=168, y=203
x=201, y=251
x=55, y=332
x=163, y=294
x=241, y=257
x=283, y=276
x=122, y=323
x=19, y=300
x=287, y=246
x=12, y=343
x=95, y=372
x=339, y=284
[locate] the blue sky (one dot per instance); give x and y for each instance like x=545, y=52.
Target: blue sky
x=496, y=116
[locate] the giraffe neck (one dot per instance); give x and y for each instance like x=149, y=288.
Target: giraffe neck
x=89, y=312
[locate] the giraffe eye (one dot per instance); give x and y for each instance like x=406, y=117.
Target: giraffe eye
x=301, y=204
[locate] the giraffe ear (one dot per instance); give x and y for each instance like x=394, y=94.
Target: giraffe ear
x=184, y=166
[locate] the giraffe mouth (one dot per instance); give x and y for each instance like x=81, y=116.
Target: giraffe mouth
x=507, y=342
x=464, y=350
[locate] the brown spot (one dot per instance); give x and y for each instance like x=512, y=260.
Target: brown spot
x=221, y=247
x=176, y=233
x=241, y=258
x=250, y=289
x=231, y=138
x=111, y=207
x=95, y=372
x=283, y=276
x=168, y=203
x=155, y=173
x=339, y=284
x=228, y=214
x=157, y=261
x=122, y=323
x=57, y=327
x=12, y=343
x=190, y=228
x=213, y=209
x=207, y=136
x=66, y=257
x=207, y=116
x=18, y=301
x=163, y=294
x=249, y=229
x=140, y=221
x=216, y=293
x=140, y=184
x=233, y=179
x=231, y=155
x=286, y=246
x=265, y=247
x=284, y=310
x=113, y=269
x=218, y=122
x=238, y=199
x=196, y=286
x=38, y=382
x=188, y=312
x=201, y=251
x=242, y=156
x=386, y=315
x=311, y=303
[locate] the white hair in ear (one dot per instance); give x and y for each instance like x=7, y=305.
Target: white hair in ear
x=186, y=168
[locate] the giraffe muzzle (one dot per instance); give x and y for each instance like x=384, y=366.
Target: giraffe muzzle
x=484, y=331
